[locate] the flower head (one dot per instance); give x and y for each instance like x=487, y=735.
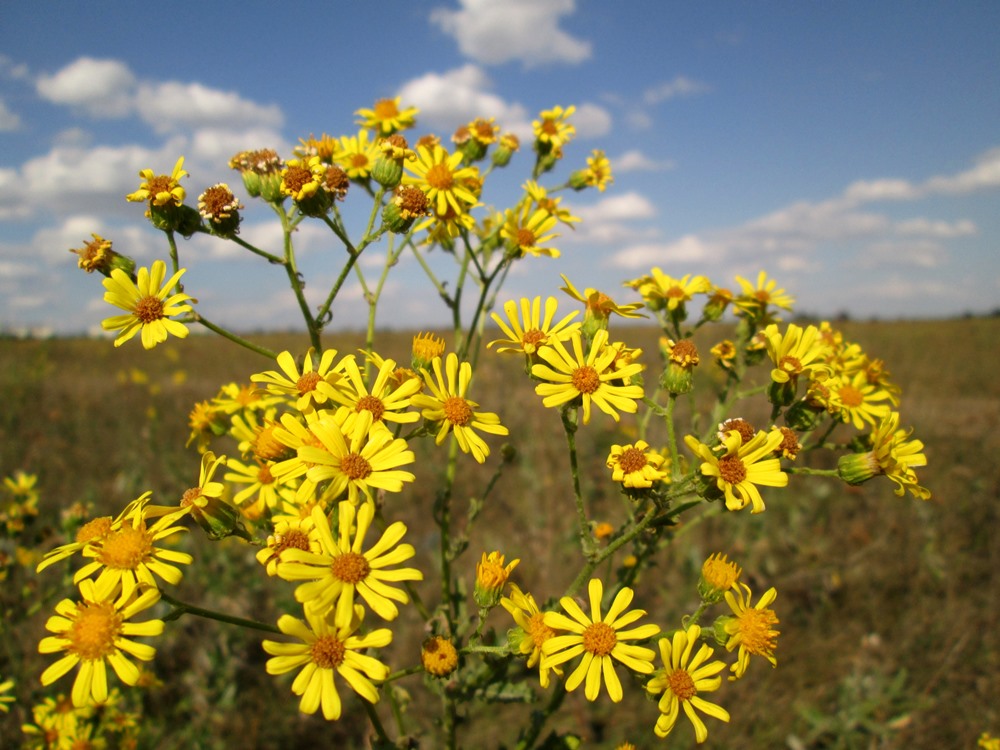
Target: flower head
x=95, y=631
x=448, y=406
x=742, y=466
x=311, y=387
x=160, y=190
x=532, y=329
x=443, y=178
x=386, y=118
x=357, y=155
x=637, y=466
x=328, y=648
x=750, y=628
x=531, y=632
x=597, y=174
x=755, y=299
x=527, y=229
x=553, y=129
x=491, y=577
x=149, y=304
x=601, y=639
x=439, y=656
x=682, y=679
x=343, y=568
x=592, y=378
x=718, y=575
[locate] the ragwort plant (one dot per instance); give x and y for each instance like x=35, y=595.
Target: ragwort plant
x=305, y=461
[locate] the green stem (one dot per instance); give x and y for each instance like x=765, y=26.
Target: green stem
x=442, y=292
x=197, y=317
x=266, y=255
x=180, y=608
x=587, y=544
x=376, y=722
x=291, y=269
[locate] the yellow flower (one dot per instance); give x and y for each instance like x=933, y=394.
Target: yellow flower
x=986, y=742
x=424, y=349
x=600, y=639
x=531, y=633
x=289, y=533
x=552, y=129
x=796, y=352
x=755, y=298
x=661, y=291
x=219, y=205
x=366, y=458
x=892, y=454
x=857, y=400
x=160, y=190
x=750, y=628
x=455, y=413
x=128, y=555
x=526, y=230
x=597, y=174
x=592, y=379
x=386, y=118
x=599, y=305
x=95, y=632
x=328, y=649
x=384, y=402
x=303, y=178
x=443, y=179
x=718, y=575
x=148, y=306
x=550, y=205
x=439, y=656
x=96, y=255
x=491, y=577
x=5, y=697
x=636, y=466
x=312, y=387
x=682, y=679
x=357, y=155
x=742, y=467
x=342, y=568
x=532, y=330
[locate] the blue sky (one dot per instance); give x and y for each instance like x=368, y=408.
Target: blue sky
x=851, y=149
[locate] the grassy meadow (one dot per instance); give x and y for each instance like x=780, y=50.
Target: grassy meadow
x=889, y=607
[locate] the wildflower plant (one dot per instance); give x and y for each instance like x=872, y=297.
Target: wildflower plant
x=306, y=463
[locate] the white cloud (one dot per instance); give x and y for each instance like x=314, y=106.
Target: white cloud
x=689, y=249
x=499, y=31
x=101, y=88
x=896, y=254
x=447, y=100
x=636, y=161
x=8, y=120
x=11, y=70
x=629, y=205
x=944, y=229
x=866, y=191
x=679, y=86
x=171, y=105
x=983, y=176
x=591, y=121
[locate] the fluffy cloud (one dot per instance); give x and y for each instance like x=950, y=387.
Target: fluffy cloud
x=101, y=88
x=499, y=31
x=591, y=121
x=679, y=86
x=628, y=206
x=8, y=120
x=171, y=105
x=447, y=100
x=636, y=161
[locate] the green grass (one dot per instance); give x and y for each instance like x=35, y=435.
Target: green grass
x=888, y=605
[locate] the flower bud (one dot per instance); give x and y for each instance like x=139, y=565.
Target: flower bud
x=857, y=468
x=491, y=577
x=507, y=146
x=439, y=656
x=407, y=204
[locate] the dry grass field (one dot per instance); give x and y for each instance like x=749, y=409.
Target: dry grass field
x=889, y=607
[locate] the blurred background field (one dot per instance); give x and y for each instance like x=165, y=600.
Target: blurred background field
x=888, y=606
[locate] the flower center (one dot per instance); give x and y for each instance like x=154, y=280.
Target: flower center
x=675, y=292
x=791, y=365
x=599, y=639
x=97, y=528
x=732, y=469
x=586, y=379
x=158, y=184
x=94, y=630
x=525, y=238
x=149, y=309
x=296, y=178
x=440, y=177
x=756, y=635
x=743, y=427
x=126, y=548
x=355, y=466
x=386, y=109
x=307, y=382
x=190, y=497
x=457, y=411
x=218, y=202
x=350, y=567
x=681, y=684
x=327, y=652
x=292, y=539
x=372, y=404
x=531, y=339
x=359, y=161
x=762, y=296
x=549, y=127
x=684, y=353
x=264, y=475
x=538, y=630
x=631, y=460
x=851, y=396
